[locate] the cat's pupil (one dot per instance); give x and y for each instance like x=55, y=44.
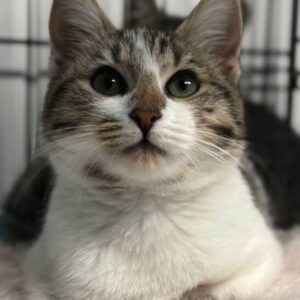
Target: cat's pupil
x=184, y=84
x=110, y=83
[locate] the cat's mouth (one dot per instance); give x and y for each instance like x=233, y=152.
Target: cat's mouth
x=144, y=147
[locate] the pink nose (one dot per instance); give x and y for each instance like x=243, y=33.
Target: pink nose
x=145, y=118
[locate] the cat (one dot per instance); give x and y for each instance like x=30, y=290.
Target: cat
x=272, y=150
x=145, y=132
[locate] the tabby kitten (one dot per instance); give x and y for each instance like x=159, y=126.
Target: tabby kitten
x=145, y=131
x=270, y=165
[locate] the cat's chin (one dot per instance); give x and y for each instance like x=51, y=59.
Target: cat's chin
x=147, y=163
x=144, y=150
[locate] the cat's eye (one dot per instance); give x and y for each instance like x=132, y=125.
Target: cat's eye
x=183, y=84
x=109, y=82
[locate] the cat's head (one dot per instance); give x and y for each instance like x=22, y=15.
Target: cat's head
x=139, y=105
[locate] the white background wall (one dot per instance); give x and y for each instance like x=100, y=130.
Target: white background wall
x=13, y=106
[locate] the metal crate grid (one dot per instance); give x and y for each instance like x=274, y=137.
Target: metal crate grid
x=269, y=70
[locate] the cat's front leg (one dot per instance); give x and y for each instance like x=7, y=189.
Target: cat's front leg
x=249, y=284
x=250, y=281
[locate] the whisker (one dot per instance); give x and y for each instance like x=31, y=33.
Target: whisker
x=220, y=137
x=219, y=149
x=69, y=128
x=67, y=141
x=212, y=154
x=189, y=157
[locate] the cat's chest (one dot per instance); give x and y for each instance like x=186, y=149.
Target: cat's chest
x=156, y=245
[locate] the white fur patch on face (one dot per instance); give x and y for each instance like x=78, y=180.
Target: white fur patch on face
x=175, y=132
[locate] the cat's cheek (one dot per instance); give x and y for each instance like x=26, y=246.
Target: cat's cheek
x=176, y=131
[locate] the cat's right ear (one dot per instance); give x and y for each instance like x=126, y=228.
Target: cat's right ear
x=71, y=23
x=216, y=26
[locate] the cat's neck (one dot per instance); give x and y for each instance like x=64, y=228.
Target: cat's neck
x=189, y=182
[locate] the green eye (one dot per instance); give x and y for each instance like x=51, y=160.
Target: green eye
x=109, y=82
x=183, y=84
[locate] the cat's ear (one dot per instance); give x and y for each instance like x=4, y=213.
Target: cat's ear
x=216, y=26
x=71, y=23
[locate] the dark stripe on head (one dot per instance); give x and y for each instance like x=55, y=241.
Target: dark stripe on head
x=152, y=41
x=177, y=52
x=222, y=89
x=115, y=53
x=163, y=45
x=131, y=47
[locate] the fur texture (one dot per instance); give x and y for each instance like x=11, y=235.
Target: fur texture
x=133, y=222
x=25, y=208
x=123, y=217
x=15, y=283
x=271, y=165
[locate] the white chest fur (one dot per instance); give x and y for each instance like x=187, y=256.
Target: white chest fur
x=146, y=244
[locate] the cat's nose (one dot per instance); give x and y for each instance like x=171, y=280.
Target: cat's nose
x=145, y=118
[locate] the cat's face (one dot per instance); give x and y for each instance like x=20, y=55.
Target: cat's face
x=139, y=105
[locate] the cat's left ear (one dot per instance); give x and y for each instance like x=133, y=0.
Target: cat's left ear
x=73, y=22
x=216, y=26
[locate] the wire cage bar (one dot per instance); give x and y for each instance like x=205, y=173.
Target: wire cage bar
x=293, y=74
